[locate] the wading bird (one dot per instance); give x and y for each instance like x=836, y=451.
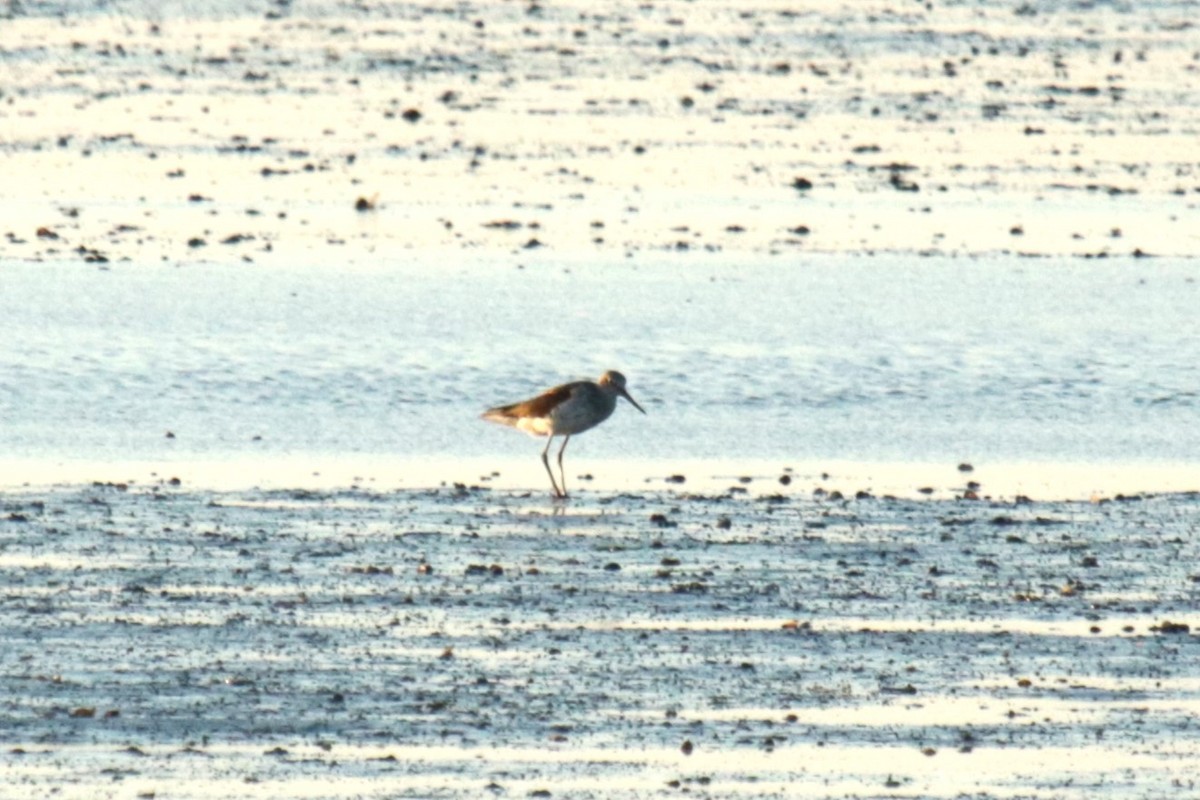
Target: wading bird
x=564, y=411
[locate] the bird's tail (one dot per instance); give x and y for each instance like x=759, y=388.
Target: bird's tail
x=501, y=414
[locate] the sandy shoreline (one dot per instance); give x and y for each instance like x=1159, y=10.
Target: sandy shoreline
x=357, y=643
x=800, y=479
x=538, y=131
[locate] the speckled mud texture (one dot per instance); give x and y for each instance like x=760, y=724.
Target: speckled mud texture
x=161, y=642
x=270, y=131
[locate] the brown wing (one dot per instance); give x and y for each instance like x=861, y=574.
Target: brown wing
x=539, y=406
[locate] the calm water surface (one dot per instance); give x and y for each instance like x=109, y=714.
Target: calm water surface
x=880, y=359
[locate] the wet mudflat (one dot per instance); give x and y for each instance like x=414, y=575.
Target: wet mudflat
x=365, y=133
x=159, y=641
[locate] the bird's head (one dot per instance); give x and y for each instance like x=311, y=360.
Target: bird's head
x=615, y=382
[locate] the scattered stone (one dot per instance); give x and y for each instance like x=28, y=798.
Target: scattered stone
x=371, y=569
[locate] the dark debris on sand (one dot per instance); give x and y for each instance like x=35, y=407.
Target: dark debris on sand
x=487, y=619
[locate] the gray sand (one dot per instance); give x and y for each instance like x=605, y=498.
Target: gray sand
x=156, y=641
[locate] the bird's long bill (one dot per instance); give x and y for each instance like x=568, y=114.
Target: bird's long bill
x=625, y=394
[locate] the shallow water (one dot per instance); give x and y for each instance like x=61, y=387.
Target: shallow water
x=882, y=359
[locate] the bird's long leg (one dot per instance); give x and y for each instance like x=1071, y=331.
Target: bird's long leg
x=546, y=462
x=563, y=478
